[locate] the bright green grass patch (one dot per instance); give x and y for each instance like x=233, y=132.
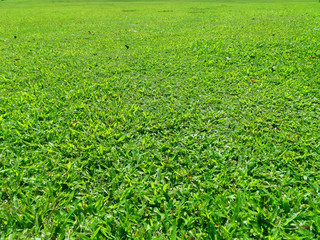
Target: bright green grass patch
x=158, y=120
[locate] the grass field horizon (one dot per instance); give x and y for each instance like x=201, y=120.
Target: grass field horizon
x=159, y=120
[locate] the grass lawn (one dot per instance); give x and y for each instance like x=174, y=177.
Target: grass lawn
x=159, y=120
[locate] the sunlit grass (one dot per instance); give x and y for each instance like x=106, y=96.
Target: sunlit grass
x=176, y=120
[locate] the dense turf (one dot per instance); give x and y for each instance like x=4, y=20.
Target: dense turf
x=159, y=120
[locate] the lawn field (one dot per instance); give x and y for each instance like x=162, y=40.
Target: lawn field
x=159, y=119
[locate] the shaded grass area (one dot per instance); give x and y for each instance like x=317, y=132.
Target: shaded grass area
x=159, y=120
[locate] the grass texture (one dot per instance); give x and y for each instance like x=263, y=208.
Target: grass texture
x=159, y=120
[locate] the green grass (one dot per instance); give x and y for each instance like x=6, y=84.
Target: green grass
x=206, y=127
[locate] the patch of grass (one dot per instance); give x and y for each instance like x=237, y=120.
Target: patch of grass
x=159, y=120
